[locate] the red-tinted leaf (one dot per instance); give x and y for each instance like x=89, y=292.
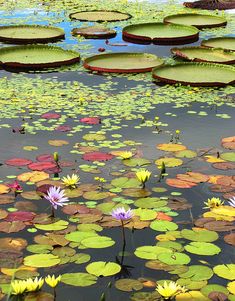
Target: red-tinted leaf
x=50, y=116
x=97, y=156
x=45, y=158
x=91, y=120
x=23, y=216
x=18, y=162
x=10, y=227
x=43, y=188
x=40, y=166
x=63, y=128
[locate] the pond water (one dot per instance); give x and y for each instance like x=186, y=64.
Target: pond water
x=127, y=113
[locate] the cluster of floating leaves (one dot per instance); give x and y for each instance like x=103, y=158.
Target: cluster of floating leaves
x=88, y=130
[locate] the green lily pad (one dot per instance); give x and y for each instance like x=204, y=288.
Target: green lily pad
x=174, y=258
x=39, y=249
x=78, y=236
x=197, y=273
x=136, y=162
x=201, y=235
x=206, y=290
x=150, y=252
x=59, y=225
x=149, y=203
x=100, y=16
x=162, y=226
x=226, y=271
x=98, y=242
x=227, y=43
x=228, y=156
x=78, y=279
x=202, y=248
x=191, y=285
x=128, y=285
x=124, y=182
x=41, y=260
x=102, y=268
x=146, y=214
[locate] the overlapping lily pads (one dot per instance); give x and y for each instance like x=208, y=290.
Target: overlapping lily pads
x=160, y=34
x=36, y=57
x=30, y=34
x=198, y=20
x=201, y=54
x=123, y=62
x=94, y=32
x=196, y=74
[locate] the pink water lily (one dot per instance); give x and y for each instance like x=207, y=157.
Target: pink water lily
x=56, y=197
x=15, y=186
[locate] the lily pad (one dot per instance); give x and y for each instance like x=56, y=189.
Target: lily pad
x=201, y=54
x=98, y=242
x=78, y=279
x=174, y=258
x=151, y=252
x=160, y=225
x=198, y=20
x=102, y=268
x=41, y=260
x=123, y=62
x=59, y=225
x=160, y=34
x=226, y=271
x=202, y=248
x=100, y=16
x=198, y=273
x=201, y=235
x=227, y=43
x=30, y=34
x=196, y=74
x=94, y=32
x=37, y=57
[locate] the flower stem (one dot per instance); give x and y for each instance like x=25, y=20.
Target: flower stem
x=123, y=234
x=52, y=212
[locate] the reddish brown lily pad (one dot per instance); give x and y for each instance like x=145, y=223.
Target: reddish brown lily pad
x=51, y=116
x=10, y=258
x=9, y=243
x=179, y=183
x=97, y=156
x=194, y=177
x=75, y=208
x=63, y=128
x=11, y=227
x=42, y=166
x=91, y=120
x=23, y=216
x=224, y=165
x=228, y=142
x=18, y=162
x=230, y=239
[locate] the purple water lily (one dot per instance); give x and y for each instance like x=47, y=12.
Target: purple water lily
x=56, y=197
x=232, y=202
x=122, y=214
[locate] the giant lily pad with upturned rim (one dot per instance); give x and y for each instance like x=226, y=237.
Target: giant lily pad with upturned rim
x=100, y=16
x=30, y=34
x=160, y=33
x=227, y=43
x=201, y=54
x=94, y=32
x=33, y=57
x=196, y=74
x=123, y=62
x=198, y=20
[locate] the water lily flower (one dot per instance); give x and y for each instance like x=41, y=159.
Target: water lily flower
x=177, y=132
x=56, y=197
x=72, y=181
x=213, y=203
x=170, y=289
x=52, y=281
x=33, y=285
x=122, y=214
x=232, y=202
x=143, y=176
x=101, y=180
x=125, y=155
x=15, y=186
x=18, y=286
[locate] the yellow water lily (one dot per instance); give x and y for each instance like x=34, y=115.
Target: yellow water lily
x=18, y=286
x=170, y=289
x=101, y=180
x=35, y=284
x=125, y=155
x=72, y=181
x=213, y=203
x=143, y=176
x=52, y=281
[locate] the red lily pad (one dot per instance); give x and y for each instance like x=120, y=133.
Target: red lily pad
x=18, y=162
x=45, y=158
x=23, y=216
x=40, y=166
x=43, y=188
x=91, y=120
x=63, y=128
x=51, y=116
x=75, y=208
x=97, y=156
x=180, y=183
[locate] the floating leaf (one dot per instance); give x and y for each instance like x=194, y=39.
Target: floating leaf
x=18, y=162
x=160, y=225
x=102, y=268
x=41, y=260
x=169, y=162
x=98, y=242
x=228, y=156
x=150, y=252
x=97, y=156
x=199, y=235
x=202, y=248
x=128, y=285
x=59, y=225
x=191, y=296
x=198, y=273
x=171, y=147
x=174, y=258
x=78, y=279
x=226, y=271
